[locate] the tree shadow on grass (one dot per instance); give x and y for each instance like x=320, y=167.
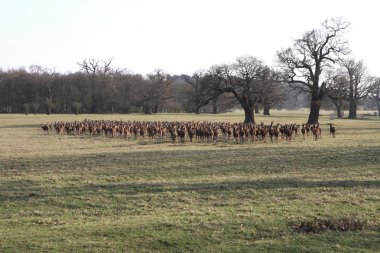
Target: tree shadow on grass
x=29, y=190
x=34, y=126
x=357, y=241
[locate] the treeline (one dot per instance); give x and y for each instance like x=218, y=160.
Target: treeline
x=99, y=88
x=316, y=69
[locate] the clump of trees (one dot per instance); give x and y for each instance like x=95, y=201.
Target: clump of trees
x=316, y=68
x=318, y=63
x=99, y=88
x=349, y=85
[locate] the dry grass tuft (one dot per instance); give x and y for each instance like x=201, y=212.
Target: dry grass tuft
x=318, y=225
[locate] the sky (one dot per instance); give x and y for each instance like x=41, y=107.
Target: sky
x=177, y=36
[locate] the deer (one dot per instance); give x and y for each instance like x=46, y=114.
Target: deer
x=288, y=132
x=317, y=132
x=181, y=132
x=307, y=129
x=303, y=131
x=190, y=133
x=202, y=131
x=45, y=128
x=332, y=130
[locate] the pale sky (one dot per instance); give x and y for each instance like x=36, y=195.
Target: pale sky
x=178, y=36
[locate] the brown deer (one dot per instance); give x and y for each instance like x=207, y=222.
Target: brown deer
x=317, y=132
x=303, y=131
x=332, y=130
x=45, y=128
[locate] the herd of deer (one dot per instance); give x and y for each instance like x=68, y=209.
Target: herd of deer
x=200, y=131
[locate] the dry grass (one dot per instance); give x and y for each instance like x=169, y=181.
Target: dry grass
x=81, y=194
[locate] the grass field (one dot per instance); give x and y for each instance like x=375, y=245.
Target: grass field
x=82, y=194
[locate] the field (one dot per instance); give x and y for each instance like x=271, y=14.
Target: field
x=82, y=194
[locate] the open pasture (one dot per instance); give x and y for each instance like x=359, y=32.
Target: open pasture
x=81, y=194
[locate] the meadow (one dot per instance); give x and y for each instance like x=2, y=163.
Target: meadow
x=81, y=194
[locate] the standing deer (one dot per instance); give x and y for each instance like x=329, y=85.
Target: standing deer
x=332, y=130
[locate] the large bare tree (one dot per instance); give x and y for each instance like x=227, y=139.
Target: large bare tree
x=242, y=80
x=376, y=94
x=202, y=89
x=304, y=63
x=360, y=84
x=336, y=90
x=100, y=77
x=155, y=91
x=270, y=90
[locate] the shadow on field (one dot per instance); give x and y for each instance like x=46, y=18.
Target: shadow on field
x=35, y=191
x=35, y=126
x=213, y=187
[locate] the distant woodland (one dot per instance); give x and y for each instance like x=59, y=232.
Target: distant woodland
x=316, y=72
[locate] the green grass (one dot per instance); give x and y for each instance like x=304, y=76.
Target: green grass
x=81, y=194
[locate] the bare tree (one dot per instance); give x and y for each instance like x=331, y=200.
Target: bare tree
x=202, y=90
x=376, y=94
x=35, y=106
x=302, y=65
x=77, y=106
x=240, y=79
x=360, y=84
x=10, y=82
x=49, y=105
x=51, y=77
x=100, y=76
x=46, y=79
x=97, y=67
x=270, y=90
x=128, y=86
x=27, y=108
x=155, y=91
x=336, y=90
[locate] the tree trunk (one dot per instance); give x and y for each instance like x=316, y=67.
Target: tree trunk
x=148, y=110
x=93, y=107
x=215, y=108
x=198, y=109
x=249, y=116
x=378, y=107
x=257, y=108
x=49, y=109
x=27, y=108
x=314, y=110
x=352, y=110
x=155, y=109
x=338, y=111
x=266, y=110
x=338, y=108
